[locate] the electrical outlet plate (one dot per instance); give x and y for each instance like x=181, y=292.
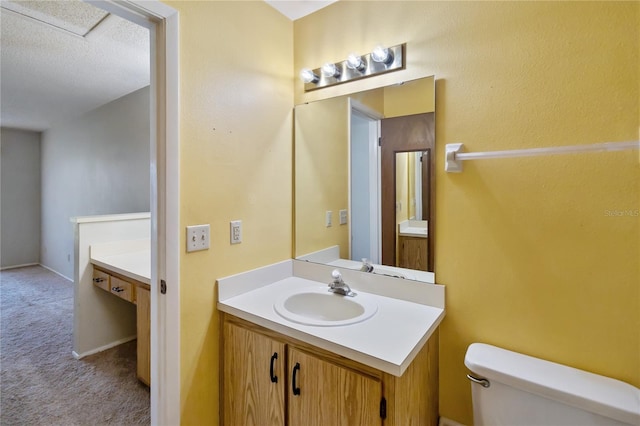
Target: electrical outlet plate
x=236, y=232
x=197, y=237
x=343, y=217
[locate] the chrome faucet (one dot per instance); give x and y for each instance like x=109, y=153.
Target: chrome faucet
x=338, y=286
x=366, y=265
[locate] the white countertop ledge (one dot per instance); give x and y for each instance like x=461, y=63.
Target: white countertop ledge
x=131, y=258
x=408, y=311
x=414, y=228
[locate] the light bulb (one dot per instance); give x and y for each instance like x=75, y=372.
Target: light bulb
x=382, y=54
x=355, y=62
x=330, y=70
x=308, y=76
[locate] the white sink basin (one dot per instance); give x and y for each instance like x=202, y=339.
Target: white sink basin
x=320, y=307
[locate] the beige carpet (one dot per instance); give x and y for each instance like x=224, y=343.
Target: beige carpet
x=41, y=383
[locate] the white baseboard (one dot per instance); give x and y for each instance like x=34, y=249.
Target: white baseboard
x=448, y=422
x=18, y=266
x=103, y=348
x=35, y=264
x=54, y=271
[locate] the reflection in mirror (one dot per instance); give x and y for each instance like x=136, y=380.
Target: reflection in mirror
x=412, y=179
x=356, y=196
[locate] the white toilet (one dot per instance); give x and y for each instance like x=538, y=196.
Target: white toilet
x=509, y=388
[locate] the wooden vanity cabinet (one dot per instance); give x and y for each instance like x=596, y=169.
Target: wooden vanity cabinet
x=322, y=393
x=143, y=330
x=317, y=387
x=101, y=279
x=254, y=379
x=138, y=293
x=412, y=252
x=123, y=289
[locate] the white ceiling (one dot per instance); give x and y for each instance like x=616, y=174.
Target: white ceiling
x=60, y=59
x=297, y=9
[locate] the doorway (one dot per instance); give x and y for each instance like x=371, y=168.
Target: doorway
x=364, y=183
x=162, y=22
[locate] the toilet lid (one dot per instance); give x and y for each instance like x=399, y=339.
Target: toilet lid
x=602, y=395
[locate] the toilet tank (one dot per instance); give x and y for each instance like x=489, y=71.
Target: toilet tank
x=524, y=390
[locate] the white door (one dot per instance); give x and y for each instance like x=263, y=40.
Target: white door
x=364, y=183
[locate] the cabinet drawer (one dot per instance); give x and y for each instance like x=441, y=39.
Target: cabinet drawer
x=101, y=279
x=122, y=289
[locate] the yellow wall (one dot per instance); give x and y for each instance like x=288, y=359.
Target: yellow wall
x=236, y=98
x=533, y=253
x=413, y=97
x=402, y=186
x=411, y=178
x=322, y=155
x=402, y=193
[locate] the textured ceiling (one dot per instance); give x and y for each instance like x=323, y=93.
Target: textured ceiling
x=60, y=59
x=74, y=17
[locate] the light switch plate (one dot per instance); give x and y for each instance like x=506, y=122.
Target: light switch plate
x=197, y=237
x=328, y=219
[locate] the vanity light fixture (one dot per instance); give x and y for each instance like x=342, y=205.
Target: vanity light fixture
x=381, y=60
x=355, y=62
x=308, y=76
x=382, y=54
x=330, y=70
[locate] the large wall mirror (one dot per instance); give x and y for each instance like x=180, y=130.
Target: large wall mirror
x=364, y=180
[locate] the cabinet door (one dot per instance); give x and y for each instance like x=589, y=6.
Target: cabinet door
x=254, y=378
x=322, y=393
x=413, y=253
x=143, y=321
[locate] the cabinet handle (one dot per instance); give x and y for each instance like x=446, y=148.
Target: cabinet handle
x=296, y=390
x=98, y=280
x=274, y=357
x=117, y=289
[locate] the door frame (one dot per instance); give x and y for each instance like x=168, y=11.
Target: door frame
x=162, y=22
x=389, y=147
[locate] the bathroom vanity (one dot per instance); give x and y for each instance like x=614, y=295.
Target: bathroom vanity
x=139, y=294
x=112, y=281
x=293, y=353
x=122, y=268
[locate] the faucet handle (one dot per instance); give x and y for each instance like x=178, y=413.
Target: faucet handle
x=338, y=286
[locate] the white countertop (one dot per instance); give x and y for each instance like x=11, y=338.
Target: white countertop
x=413, y=228
x=388, y=341
x=131, y=258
